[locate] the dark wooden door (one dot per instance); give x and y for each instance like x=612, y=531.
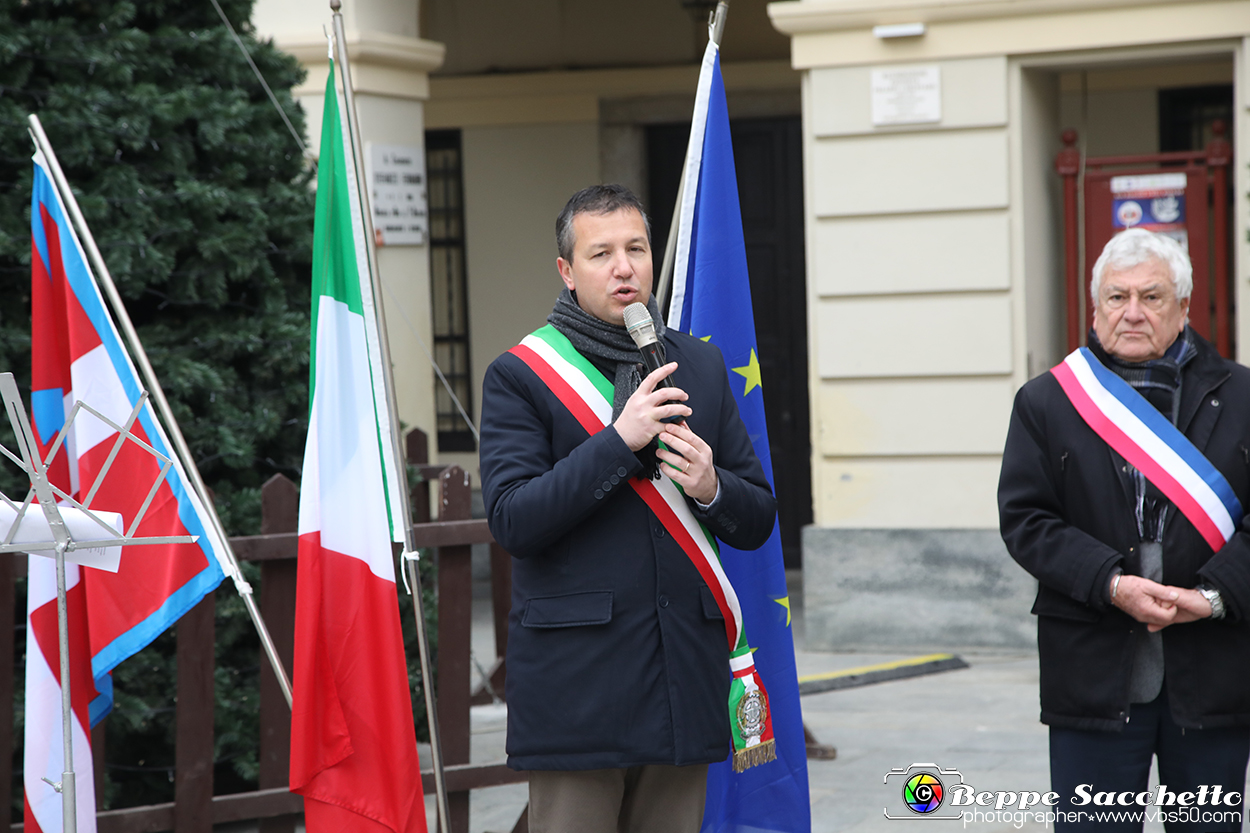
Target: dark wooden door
x=768, y=161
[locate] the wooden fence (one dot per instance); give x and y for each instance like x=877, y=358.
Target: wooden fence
x=195, y=809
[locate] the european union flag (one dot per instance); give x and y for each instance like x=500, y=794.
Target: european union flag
x=712, y=299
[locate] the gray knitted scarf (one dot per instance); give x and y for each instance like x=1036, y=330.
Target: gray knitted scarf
x=610, y=342
x=1158, y=380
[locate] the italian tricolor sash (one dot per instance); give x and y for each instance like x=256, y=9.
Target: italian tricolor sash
x=1145, y=438
x=588, y=396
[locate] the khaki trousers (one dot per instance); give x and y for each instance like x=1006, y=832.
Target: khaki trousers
x=640, y=799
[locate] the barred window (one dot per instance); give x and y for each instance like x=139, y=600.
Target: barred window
x=449, y=288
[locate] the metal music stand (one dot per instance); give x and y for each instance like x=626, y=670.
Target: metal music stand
x=52, y=533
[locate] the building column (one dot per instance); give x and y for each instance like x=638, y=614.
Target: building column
x=390, y=68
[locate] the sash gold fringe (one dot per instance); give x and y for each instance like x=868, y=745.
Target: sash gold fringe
x=761, y=753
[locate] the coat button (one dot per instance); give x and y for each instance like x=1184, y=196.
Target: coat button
x=607, y=487
x=598, y=494
x=659, y=532
x=614, y=479
x=664, y=601
x=620, y=472
x=1215, y=402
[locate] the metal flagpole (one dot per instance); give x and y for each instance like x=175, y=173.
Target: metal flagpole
x=665, y=285
x=716, y=28
x=69, y=787
x=241, y=585
x=409, y=555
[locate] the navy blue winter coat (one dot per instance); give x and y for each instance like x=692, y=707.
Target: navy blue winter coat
x=617, y=654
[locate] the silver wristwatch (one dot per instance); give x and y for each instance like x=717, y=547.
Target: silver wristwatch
x=1213, y=597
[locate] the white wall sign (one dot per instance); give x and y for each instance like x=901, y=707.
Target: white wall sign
x=906, y=95
x=396, y=176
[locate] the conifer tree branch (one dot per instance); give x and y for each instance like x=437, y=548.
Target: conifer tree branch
x=299, y=140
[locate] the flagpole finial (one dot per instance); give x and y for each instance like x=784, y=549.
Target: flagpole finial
x=335, y=5
x=716, y=21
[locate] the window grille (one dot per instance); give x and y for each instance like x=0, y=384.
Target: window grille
x=449, y=287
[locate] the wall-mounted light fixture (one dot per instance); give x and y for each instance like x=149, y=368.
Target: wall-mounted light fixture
x=898, y=30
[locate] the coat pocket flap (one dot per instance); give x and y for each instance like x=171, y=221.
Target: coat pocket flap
x=570, y=610
x=711, y=610
x=1050, y=603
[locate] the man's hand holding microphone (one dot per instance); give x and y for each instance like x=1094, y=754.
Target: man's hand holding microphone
x=657, y=410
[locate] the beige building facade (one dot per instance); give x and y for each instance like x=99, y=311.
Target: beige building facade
x=940, y=244
x=935, y=272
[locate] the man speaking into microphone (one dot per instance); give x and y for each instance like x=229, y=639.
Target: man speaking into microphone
x=619, y=671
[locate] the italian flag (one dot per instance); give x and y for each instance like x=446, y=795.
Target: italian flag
x=353, y=747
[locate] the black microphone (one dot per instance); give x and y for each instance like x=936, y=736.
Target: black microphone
x=641, y=328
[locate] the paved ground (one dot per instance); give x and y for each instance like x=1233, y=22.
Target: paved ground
x=981, y=721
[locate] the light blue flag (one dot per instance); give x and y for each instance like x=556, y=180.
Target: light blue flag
x=712, y=299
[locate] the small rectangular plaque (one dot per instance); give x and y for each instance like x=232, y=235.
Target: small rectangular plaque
x=396, y=176
x=906, y=95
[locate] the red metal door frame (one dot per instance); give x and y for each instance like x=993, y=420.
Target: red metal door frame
x=1205, y=170
x=1098, y=228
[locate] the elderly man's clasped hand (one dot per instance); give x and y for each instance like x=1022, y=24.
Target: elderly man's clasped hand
x=1158, y=605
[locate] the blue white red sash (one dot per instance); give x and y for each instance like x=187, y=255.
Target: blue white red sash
x=1149, y=441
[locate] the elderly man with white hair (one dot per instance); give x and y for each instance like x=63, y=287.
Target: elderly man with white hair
x=1123, y=483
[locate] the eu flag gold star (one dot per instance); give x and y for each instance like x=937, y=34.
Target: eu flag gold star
x=784, y=601
x=751, y=372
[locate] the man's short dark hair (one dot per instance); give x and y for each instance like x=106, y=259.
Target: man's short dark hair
x=597, y=199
